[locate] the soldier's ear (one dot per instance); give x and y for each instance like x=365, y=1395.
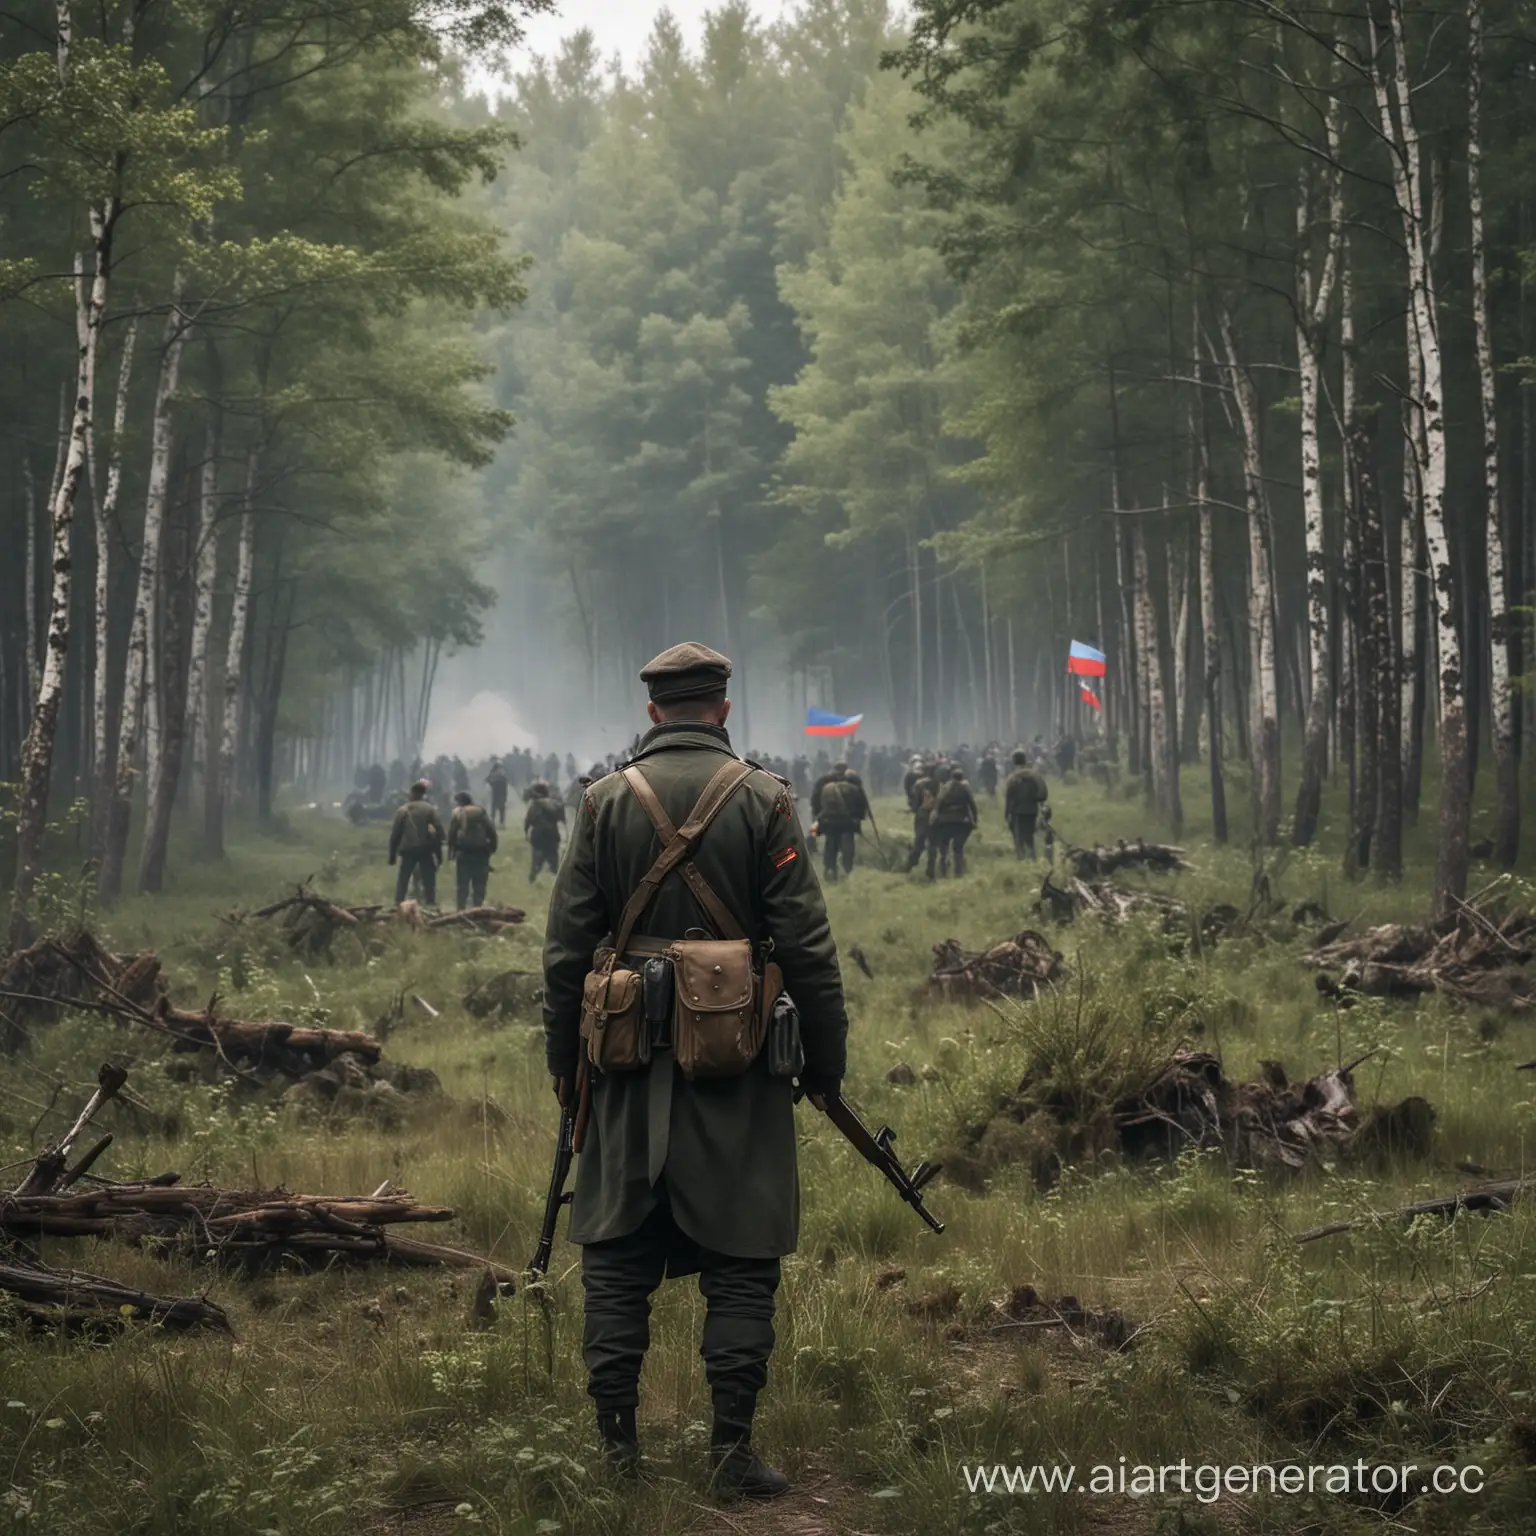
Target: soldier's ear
x=654, y=713
x=725, y=711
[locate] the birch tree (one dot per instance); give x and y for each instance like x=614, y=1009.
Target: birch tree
x=1314, y=296
x=1506, y=820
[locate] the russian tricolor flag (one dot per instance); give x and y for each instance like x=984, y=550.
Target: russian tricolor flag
x=1085, y=661
x=1090, y=698
x=819, y=723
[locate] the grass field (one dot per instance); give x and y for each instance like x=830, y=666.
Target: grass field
x=363, y=1401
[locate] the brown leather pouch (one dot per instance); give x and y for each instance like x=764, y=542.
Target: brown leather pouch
x=718, y=1027
x=612, y=1022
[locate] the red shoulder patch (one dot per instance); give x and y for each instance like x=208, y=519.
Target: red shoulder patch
x=788, y=856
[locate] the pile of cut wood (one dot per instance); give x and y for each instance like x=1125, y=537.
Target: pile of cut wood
x=311, y=921
x=1018, y=967
x=1479, y=952
x=1091, y=863
x=61, y=1198
x=1067, y=899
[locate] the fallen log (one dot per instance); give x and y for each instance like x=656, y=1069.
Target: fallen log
x=72, y=1301
x=298, y=1047
x=1161, y=858
x=1486, y=1197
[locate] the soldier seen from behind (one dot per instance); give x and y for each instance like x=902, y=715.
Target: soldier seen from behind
x=954, y=819
x=542, y=822
x=496, y=780
x=685, y=1174
x=987, y=774
x=922, y=794
x=839, y=807
x=416, y=843
x=471, y=842
x=1023, y=795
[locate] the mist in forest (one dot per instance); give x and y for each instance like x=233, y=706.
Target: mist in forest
x=408, y=395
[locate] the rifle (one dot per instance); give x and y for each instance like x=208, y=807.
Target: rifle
x=573, y=1131
x=559, y=1195
x=876, y=1149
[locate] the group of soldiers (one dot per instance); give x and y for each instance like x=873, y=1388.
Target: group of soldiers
x=937, y=787
x=945, y=813
x=418, y=843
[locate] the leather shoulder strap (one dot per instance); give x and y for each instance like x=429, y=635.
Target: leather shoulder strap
x=678, y=845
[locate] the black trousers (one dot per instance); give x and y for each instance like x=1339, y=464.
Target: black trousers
x=546, y=855
x=839, y=843
x=420, y=861
x=618, y=1278
x=920, y=836
x=470, y=875
x=499, y=805
x=943, y=840
x=1024, y=836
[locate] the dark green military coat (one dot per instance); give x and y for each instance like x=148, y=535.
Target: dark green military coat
x=726, y=1145
x=1024, y=794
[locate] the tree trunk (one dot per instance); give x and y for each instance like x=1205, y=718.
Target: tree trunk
x=1161, y=747
x=1506, y=816
x=1401, y=132
x=1313, y=298
x=165, y=770
x=138, y=676
x=37, y=750
x=1386, y=850
x=206, y=562
x=1212, y=640
x=221, y=774
x=106, y=496
x=1264, y=729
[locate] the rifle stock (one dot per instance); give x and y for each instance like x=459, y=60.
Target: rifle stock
x=875, y=1148
x=558, y=1195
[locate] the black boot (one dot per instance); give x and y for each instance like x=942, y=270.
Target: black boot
x=620, y=1440
x=736, y=1470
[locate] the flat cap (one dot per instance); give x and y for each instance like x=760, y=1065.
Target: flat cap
x=686, y=671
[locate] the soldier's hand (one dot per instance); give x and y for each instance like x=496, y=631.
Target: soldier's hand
x=563, y=1091
x=391, y=861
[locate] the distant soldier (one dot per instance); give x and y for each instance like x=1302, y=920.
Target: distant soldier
x=1023, y=795
x=377, y=784
x=987, y=773
x=838, y=806
x=542, y=822
x=922, y=797
x=1066, y=753
x=471, y=842
x=416, y=842
x=460, y=777
x=915, y=770
x=954, y=819
x=497, y=782
x=800, y=776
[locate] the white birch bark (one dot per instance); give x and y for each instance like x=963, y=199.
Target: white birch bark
x=1399, y=127
x=1506, y=832
x=222, y=773
x=1265, y=702
x=37, y=750
x=106, y=496
x=141, y=673
x=1314, y=296
x=207, y=568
